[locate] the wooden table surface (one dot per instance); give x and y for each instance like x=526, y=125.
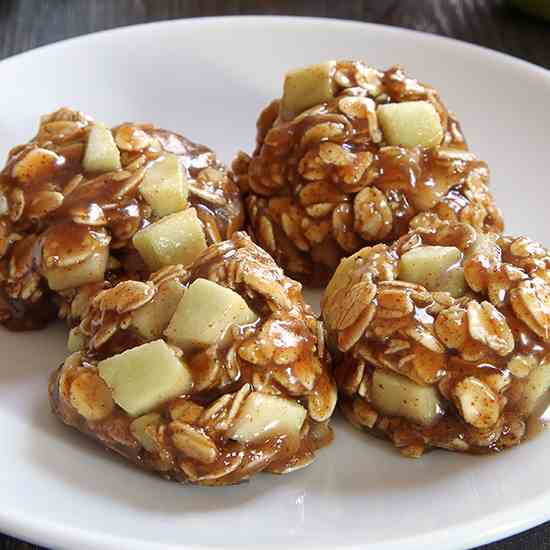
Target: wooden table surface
x=26, y=24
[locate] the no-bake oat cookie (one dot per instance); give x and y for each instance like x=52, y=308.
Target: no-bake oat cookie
x=350, y=156
x=443, y=338
x=207, y=375
x=78, y=200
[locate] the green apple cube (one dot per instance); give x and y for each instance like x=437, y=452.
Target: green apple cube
x=410, y=124
x=454, y=283
x=151, y=319
x=204, y=313
x=263, y=416
x=175, y=239
x=138, y=428
x=438, y=268
x=91, y=270
x=4, y=205
x=76, y=340
x=101, y=154
x=396, y=395
x=165, y=186
x=304, y=88
x=144, y=377
x=536, y=388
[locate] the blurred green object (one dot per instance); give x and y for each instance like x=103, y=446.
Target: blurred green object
x=538, y=8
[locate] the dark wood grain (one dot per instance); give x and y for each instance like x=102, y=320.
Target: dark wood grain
x=26, y=24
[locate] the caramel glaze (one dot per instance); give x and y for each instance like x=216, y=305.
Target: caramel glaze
x=446, y=370
x=449, y=425
x=106, y=201
x=277, y=453
x=413, y=181
x=292, y=326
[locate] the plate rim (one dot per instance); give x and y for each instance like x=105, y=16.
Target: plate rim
x=294, y=19
x=442, y=539
x=470, y=533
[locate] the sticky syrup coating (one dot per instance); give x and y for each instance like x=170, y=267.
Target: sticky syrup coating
x=326, y=182
x=277, y=365
x=462, y=364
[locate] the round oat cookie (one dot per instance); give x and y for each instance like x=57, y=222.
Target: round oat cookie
x=350, y=156
x=443, y=338
x=75, y=200
x=208, y=375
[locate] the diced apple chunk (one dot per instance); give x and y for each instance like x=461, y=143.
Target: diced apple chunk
x=4, y=206
x=102, y=154
x=144, y=377
x=454, y=283
x=151, y=319
x=138, y=429
x=76, y=340
x=165, y=187
x=438, y=268
x=91, y=270
x=396, y=395
x=304, y=88
x=263, y=416
x=410, y=124
x=536, y=388
x=204, y=313
x=175, y=239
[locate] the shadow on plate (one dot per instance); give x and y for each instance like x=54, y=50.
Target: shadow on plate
x=374, y=466
x=83, y=464
x=367, y=467
x=31, y=354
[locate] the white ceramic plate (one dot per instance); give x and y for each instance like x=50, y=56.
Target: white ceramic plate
x=209, y=78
